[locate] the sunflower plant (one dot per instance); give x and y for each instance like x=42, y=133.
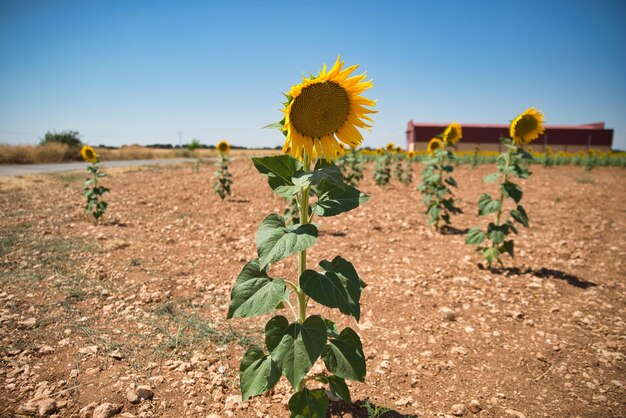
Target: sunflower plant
x=352, y=165
x=93, y=191
x=437, y=179
x=382, y=165
x=223, y=178
x=321, y=113
x=512, y=163
x=403, y=170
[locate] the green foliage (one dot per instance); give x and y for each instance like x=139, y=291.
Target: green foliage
x=69, y=138
x=223, y=178
x=493, y=242
x=436, y=187
x=293, y=347
x=93, y=192
x=403, y=169
x=352, y=165
x=193, y=145
x=382, y=170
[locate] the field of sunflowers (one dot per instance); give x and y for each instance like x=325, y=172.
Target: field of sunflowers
x=326, y=280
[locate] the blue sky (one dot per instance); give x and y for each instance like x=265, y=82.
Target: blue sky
x=124, y=72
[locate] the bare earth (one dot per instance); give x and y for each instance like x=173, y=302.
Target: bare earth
x=89, y=315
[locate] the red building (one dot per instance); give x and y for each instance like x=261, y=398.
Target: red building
x=487, y=137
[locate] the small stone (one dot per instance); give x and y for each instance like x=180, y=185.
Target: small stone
x=404, y=401
x=91, y=349
x=107, y=410
x=448, y=314
x=475, y=406
x=458, y=409
x=116, y=355
x=144, y=392
x=27, y=323
x=46, y=349
x=46, y=407
x=132, y=397
x=469, y=329
x=87, y=411
x=514, y=413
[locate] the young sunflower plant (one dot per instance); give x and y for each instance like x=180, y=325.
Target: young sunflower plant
x=352, y=166
x=437, y=177
x=403, y=169
x=223, y=178
x=382, y=165
x=512, y=163
x=93, y=191
x=321, y=113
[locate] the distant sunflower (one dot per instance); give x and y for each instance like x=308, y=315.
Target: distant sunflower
x=325, y=110
x=380, y=151
x=434, y=145
x=399, y=150
x=89, y=154
x=453, y=134
x=390, y=147
x=527, y=127
x=223, y=147
x=411, y=154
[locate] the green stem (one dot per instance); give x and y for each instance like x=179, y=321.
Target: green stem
x=506, y=178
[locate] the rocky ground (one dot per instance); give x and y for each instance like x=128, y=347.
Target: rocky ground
x=127, y=318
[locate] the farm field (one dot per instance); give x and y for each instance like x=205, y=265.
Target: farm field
x=94, y=315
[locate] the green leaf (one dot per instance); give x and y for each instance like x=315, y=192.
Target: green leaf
x=513, y=191
x=275, y=241
x=308, y=404
x=475, y=236
x=339, y=388
x=327, y=175
x=257, y=373
x=274, y=331
x=491, y=178
x=254, y=292
x=491, y=255
x=451, y=182
x=519, y=214
x=299, y=347
x=487, y=205
x=496, y=236
x=333, y=200
x=279, y=170
x=334, y=289
x=276, y=125
x=508, y=247
x=344, y=356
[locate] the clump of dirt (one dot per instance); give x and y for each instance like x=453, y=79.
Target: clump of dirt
x=128, y=317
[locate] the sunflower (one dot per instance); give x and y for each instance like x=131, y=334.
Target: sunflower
x=223, y=147
x=399, y=150
x=434, y=145
x=390, y=147
x=527, y=127
x=453, y=134
x=325, y=110
x=89, y=154
x=380, y=151
x=411, y=154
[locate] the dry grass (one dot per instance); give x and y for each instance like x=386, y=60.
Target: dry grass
x=57, y=153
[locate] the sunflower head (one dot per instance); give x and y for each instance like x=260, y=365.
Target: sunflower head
x=411, y=155
x=223, y=147
x=527, y=127
x=325, y=111
x=453, y=134
x=399, y=150
x=380, y=151
x=89, y=154
x=434, y=145
x=390, y=147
